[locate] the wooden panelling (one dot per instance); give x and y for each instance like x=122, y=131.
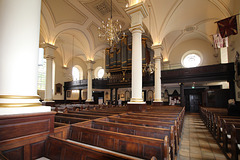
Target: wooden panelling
x=15, y=153
x=37, y=150
x=10, y=131
x=23, y=136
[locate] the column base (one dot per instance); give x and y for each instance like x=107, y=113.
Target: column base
x=136, y=107
x=157, y=104
x=48, y=103
x=24, y=110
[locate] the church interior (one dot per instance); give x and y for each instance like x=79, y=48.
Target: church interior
x=119, y=79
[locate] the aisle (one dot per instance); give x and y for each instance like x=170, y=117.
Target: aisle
x=197, y=142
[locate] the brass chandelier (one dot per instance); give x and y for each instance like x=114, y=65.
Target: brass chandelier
x=110, y=30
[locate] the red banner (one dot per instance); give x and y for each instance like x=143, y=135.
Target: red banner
x=228, y=26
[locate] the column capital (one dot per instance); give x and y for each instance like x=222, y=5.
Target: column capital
x=157, y=51
x=137, y=13
x=48, y=50
x=157, y=46
x=139, y=7
x=48, y=45
x=90, y=64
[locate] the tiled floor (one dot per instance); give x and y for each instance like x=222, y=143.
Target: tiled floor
x=197, y=142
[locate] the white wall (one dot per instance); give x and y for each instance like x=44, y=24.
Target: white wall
x=197, y=44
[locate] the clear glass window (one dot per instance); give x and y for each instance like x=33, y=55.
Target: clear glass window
x=75, y=74
x=100, y=73
x=191, y=60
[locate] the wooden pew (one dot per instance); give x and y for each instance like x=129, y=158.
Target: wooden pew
x=57, y=148
x=61, y=130
x=220, y=125
x=209, y=117
x=84, y=116
x=174, y=120
x=147, y=123
x=138, y=146
x=177, y=116
x=68, y=120
x=91, y=113
x=227, y=130
x=159, y=133
x=235, y=142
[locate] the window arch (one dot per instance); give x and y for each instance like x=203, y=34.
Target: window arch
x=99, y=72
x=77, y=73
x=191, y=58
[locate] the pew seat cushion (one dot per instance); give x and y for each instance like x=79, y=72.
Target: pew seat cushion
x=102, y=149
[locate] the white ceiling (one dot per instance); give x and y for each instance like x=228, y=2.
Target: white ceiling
x=68, y=23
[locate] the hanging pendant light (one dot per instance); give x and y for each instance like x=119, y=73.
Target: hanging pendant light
x=110, y=31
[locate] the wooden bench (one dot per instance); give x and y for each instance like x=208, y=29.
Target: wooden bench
x=57, y=148
x=227, y=130
x=209, y=117
x=159, y=133
x=85, y=116
x=174, y=120
x=68, y=120
x=146, y=123
x=235, y=142
x=138, y=146
x=61, y=130
x=220, y=125
x=91, y=113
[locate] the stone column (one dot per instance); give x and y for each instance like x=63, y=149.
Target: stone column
x=157, y=74
x=19, y=47
x=89, y=89
x=137, y=13
x=49, y=56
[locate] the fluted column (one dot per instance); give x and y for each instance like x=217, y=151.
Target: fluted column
x=49, y=56
x=157, y=87
x=19, y=46
x=89, y=89
x=137, y=13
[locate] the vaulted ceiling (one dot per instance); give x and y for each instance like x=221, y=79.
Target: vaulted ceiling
x=72, y=25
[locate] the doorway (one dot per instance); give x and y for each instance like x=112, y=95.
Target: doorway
x=193, y=99
x=98, y=97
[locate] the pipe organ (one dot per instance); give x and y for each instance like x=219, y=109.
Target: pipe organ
x=119, y=59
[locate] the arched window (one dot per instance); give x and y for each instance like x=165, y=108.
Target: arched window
x=191, y=59
x=99, y=72
x=41, y=85
x=77, y=73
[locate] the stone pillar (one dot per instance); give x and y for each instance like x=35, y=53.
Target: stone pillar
x=137, y=13
x=89, y=89
x=157, y=81
x=49, y=56
x=19, y=47
x=182, y=95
